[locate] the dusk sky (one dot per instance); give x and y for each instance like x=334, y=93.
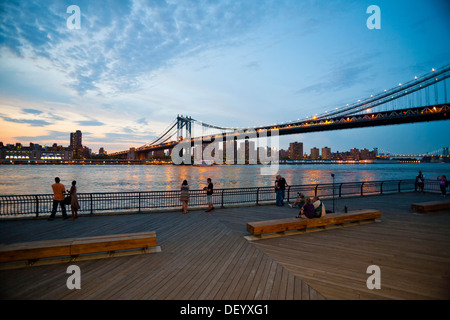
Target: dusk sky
x=133, y=66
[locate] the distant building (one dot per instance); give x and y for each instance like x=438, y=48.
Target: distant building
x=314, y=153
x=354, y=154
x=326, y=153
x=76, y=143
x=35, y=152
x=296, y=150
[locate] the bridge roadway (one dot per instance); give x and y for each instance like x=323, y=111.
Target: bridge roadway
x=381, y=118
x=205, y=256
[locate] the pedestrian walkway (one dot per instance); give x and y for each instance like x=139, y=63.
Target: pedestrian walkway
x=206, y=256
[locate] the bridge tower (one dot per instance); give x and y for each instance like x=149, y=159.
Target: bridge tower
x=184, y=122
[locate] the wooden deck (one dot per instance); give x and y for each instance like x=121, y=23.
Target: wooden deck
x=204, y=256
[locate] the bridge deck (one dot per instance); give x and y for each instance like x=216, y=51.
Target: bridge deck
x=205, y=256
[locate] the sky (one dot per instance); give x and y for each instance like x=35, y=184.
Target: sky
x=132, y=66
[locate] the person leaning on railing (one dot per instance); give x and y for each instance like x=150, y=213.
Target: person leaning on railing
x=184, y=195
x=58, y=198
x=443, y=184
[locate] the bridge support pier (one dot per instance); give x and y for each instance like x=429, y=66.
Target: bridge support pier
x=131, y=154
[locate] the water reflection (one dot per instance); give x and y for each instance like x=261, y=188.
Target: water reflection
x=31, y=179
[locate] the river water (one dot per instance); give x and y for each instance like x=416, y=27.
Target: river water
x=37, y=179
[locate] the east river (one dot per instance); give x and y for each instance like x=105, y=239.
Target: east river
x=37, y=179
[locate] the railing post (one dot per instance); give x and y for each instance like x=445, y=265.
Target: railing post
x=257, y=196
x=139, y=202
x=222, y=197
x=399, y=185
x=362, y=186
x=381, y=187
x=288, y=192
x=340, y=190
x=315, y=190
x=92, y=205
x=37, y=206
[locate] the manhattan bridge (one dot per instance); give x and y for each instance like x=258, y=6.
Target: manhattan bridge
x=422, y=99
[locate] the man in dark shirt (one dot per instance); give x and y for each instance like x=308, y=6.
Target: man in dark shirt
x=282, y=184
x=209, y=192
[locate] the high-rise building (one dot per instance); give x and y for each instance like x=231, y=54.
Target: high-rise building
x=76, y=143
x=76, y=140
x=296, y=150
x=326, y=153
x=314, y=153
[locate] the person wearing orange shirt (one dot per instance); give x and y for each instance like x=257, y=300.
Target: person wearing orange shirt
x=58, y=198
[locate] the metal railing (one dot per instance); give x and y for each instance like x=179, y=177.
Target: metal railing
x=41, y=204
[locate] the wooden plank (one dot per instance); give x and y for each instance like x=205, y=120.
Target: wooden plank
x=63, y=248
x=34, y=250
x=290, y=224
x=105, y=244
x=430, y=206
x=278, y=225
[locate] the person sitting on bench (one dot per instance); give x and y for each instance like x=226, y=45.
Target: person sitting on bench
x=319, y=207
x=307, y=210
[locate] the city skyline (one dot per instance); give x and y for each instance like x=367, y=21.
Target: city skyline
x=131, y=67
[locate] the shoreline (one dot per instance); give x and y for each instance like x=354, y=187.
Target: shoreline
x=159, y=163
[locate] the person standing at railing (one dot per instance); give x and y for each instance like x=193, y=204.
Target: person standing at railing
x=283, y=185
x=74, y=205
x=184, y=195
x=443, y=184
x=420, y=181
x=278, y=192
x=209, y=193
x=58, y=198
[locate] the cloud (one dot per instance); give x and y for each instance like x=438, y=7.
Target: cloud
x=32, y=111
x=340, y=77
x=31, y=122
x=51, y=137
x=125, y=39
x=90, y=123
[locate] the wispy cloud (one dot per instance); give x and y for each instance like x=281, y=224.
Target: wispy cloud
x=121, y=40
x=90, y=123
x=34, y=123
x=340, y=77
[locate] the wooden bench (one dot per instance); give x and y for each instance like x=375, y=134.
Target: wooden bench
x=431, y=206
x=280, y=226
x=76, y=249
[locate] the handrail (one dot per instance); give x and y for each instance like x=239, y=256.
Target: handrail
x=140, y=201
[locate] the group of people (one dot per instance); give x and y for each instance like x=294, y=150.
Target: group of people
x=184, y=195
x=443, y=183
x=59, y=198
x=309, y=208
